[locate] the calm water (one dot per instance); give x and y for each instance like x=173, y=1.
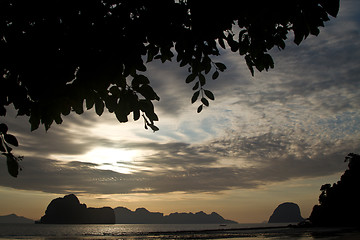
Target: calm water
x=159, y=231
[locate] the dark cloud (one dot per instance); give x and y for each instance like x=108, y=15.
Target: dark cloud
x=284, y=155
x=53, y=176
x=62, y=178
x=173, y=155
x=59, y=139
x=254, y=161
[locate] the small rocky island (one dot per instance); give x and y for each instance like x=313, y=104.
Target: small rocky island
x=287, y=212
x=69, y=210
x=13, y=218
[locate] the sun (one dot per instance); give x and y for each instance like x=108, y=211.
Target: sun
x=115, y=159
x=120, y=160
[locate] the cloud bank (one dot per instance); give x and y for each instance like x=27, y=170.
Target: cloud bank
x=296, y=121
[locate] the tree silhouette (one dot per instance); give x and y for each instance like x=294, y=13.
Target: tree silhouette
x=60, y=56
x=339, y=203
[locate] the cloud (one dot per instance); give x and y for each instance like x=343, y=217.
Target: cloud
x=222, y=164
x=59, y=138
x=298, y=120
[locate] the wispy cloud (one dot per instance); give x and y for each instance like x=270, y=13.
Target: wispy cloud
x=296, y=121
x=223, y=164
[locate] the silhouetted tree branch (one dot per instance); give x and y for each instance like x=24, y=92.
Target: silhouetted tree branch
x=339, y=203
x=57, y=55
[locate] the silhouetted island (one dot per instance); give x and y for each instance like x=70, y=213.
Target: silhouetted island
x=68, y=210
x=142, y=216
x=287, y=212
x=13, y=218
x=339, y=203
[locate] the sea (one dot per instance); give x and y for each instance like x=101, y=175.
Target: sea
x=170, y=231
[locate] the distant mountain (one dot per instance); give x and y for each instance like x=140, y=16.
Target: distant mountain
x=69, y=210
x=286, y=213
x=143, y=216
x=12, y=218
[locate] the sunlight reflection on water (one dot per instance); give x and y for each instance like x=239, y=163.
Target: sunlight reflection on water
x=163, y=231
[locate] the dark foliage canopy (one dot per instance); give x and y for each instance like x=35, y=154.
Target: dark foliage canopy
x=339, y=203
x=61, y=56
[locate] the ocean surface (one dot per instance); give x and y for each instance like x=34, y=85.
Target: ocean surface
x=169, y=231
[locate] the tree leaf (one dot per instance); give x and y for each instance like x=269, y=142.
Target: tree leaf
x=220, y=66
x=209, y=94
x=136, y=114
x=195, y=96
x=12, y=165
x=11, y=139
x=47, y=121
x=3, y=128
x=138, y=80
x=99, y=106
x=153, y=127
x=148, y=92
x=58, y=119
x=89, y=102
x=115, y=91
x=34, y=121
x=215, y=75
x=121, y=116
x=200, y=108
x=77, y=107
x=268, y=61
x=196, y=86
x=205, y=101
x=111, y=103
x=190, y=78
x=148, y=108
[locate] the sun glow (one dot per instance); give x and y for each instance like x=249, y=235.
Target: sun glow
x=114, y=159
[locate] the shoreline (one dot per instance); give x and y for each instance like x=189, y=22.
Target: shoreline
x=285, y=232
x=338, y=233
x=224, y=229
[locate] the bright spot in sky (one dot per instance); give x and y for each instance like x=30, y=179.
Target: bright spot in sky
x=111, y=159
x=114, y=159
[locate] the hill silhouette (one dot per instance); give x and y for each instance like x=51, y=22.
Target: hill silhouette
x=142, y=215
x=287, y=212
x=69, y=210
x=339, y=203
x=13, y=218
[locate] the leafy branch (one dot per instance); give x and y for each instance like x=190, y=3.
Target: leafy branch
x=204, y=94
x=6, y=140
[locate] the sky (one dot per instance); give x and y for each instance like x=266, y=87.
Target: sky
x=273, y=138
